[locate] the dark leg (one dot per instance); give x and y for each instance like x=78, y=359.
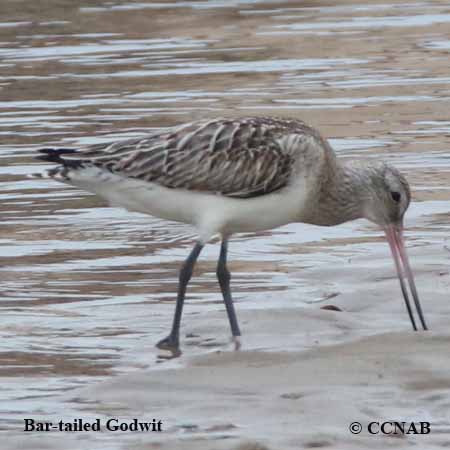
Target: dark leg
x=172, y=341
x=224, y=280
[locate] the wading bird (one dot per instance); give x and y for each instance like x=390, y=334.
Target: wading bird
x=227, y=176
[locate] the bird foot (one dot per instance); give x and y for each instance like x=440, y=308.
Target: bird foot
x=236, y=341
x=171, y=344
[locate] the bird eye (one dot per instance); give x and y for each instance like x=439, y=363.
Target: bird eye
x=396, y=196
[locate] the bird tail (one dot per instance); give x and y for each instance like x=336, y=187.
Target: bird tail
x=55, y=155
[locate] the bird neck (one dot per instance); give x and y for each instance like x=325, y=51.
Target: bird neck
x=341, y=194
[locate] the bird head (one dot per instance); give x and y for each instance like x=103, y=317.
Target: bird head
x=385, y=199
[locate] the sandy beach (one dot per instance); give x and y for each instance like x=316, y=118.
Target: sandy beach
x=305, y=375
x=302, y=377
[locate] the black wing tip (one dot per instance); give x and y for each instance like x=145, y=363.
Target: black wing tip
x=55, y=154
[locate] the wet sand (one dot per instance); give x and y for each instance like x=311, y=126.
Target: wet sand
x=87, y=290
x=302, y=377
x=304, y=374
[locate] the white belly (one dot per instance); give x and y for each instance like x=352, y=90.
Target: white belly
x=210, y=214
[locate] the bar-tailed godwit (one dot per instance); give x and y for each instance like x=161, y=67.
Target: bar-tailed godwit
x=227, y=176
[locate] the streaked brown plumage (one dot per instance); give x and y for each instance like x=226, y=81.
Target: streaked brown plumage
x=234, y=158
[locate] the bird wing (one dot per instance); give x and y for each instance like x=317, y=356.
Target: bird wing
x=235, y=158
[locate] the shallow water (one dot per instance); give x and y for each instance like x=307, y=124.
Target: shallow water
x=87, y=289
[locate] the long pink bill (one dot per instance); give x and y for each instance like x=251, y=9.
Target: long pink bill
x=394, y=235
